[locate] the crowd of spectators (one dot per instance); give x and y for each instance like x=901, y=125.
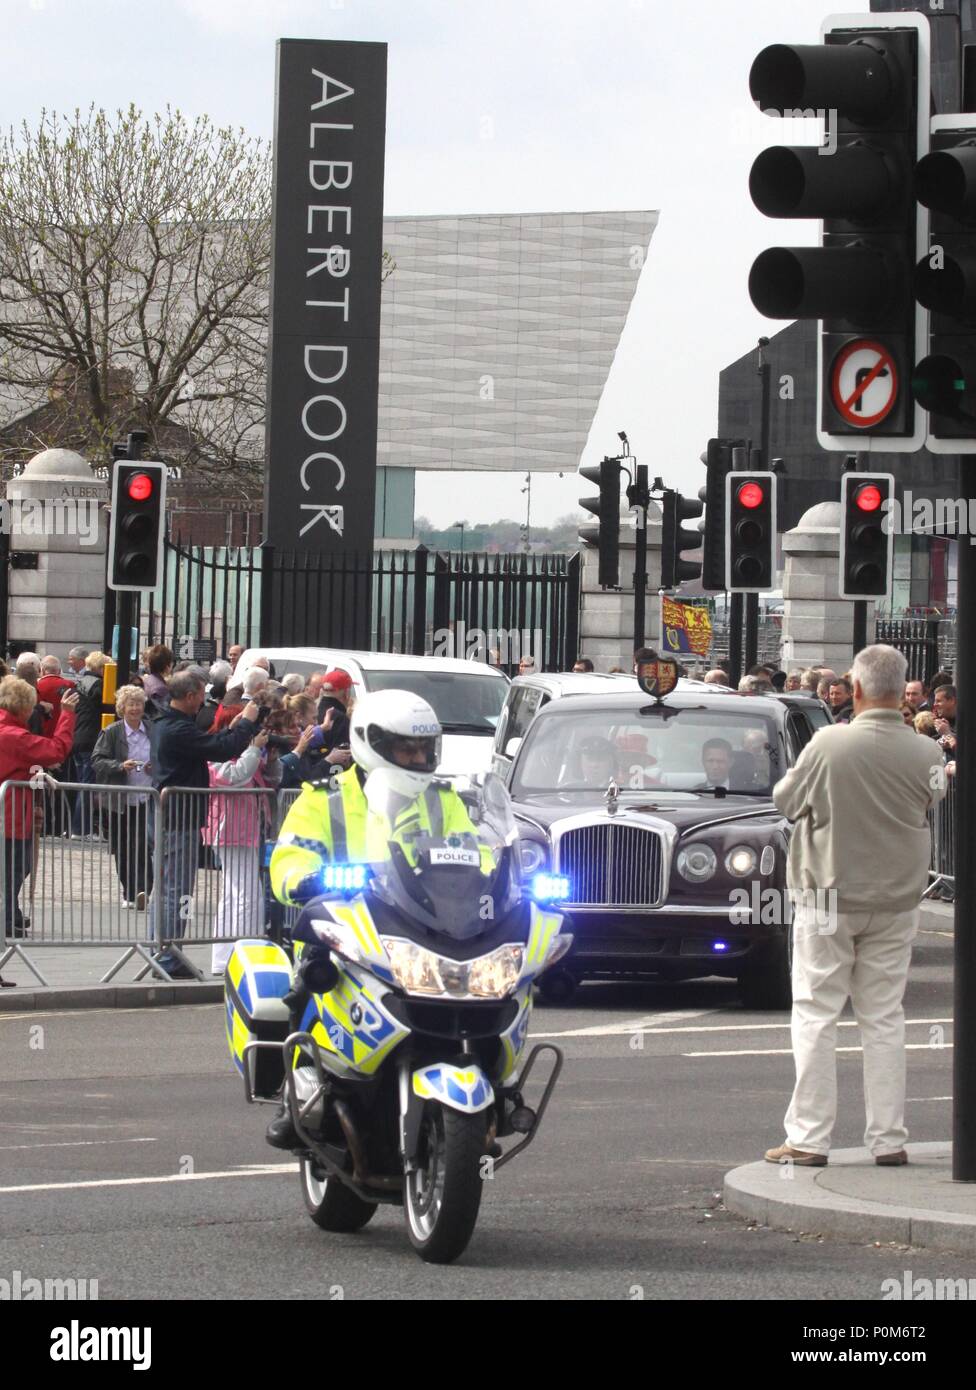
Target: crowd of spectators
x=216, y=731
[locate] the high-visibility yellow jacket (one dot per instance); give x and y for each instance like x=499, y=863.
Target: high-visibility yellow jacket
x=326, y=827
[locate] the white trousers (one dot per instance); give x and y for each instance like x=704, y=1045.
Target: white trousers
x=240, y=911
x=864, y=957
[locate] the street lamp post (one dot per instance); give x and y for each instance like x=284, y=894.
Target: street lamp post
x=460, y=524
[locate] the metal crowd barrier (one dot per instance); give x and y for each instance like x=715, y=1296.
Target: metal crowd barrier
x=152, y=872
x=942, y=864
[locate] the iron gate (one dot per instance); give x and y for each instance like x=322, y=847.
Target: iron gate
x=414, y=601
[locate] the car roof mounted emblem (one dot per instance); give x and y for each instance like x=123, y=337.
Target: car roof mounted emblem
x=612, y=798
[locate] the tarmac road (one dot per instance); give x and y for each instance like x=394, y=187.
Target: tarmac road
x=127, y=1154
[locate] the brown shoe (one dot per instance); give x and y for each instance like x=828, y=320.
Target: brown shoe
x=895, y=1160
x=784, y=1154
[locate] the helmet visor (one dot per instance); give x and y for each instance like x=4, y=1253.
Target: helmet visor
x=415, y=753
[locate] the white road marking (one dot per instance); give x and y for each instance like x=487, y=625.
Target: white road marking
x=30, y=1015
x=914, y=1100
x=632, y=1025
x=77, y=1143
x=250, y=1171
x=638, y=1025
x=788, y=1051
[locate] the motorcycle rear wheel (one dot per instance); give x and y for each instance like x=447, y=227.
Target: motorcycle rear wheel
x=330, y=1203
x=442, y=1196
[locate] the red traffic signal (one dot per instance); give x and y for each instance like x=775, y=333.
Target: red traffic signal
x=140, y=487
x=750, y=532
x=750, y=495
x=868, y=498
x=866, y=540
x=135, y=538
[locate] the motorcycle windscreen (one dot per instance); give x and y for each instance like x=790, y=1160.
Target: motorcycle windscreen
x=446, y=859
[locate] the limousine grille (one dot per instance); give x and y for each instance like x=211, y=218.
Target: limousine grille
x=612, y=865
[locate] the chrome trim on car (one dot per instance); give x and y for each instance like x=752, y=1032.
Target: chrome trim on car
x=665, y=833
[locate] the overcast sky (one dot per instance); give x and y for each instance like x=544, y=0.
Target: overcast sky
x=594, y=104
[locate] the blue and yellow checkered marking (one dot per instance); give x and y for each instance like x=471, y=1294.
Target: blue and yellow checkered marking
x=466, y=1089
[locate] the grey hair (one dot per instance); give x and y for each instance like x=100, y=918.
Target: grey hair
x=752, y=685
x=28, y=659
x=50, y=666
x=293, y=683
x=881, y=672
x=187, y=682
x=255, y=680
x=809, y=680
x=221, y=671
x=79, y=653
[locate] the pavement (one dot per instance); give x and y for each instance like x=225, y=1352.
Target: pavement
x=918, y=1205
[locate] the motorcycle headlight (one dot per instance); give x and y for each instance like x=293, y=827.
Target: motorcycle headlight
x=414, y=969
x=494, y=976
x=741, y=861
x=696, y=863
x=533, y=857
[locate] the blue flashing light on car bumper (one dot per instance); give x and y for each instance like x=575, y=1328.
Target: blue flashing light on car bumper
x=550, y=888
x=343, y=878
x=720, y=945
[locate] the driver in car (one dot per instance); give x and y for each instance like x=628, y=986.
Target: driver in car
x=716, y=756
x=598, y=763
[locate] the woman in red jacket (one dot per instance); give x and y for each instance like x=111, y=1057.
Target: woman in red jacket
x=22, y=754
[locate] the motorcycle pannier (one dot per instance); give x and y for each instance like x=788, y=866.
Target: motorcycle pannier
x=258, y=977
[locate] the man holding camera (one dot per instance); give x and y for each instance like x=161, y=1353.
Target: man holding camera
x=180, y=755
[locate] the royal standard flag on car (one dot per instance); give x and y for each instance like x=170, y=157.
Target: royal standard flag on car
x=686, y=628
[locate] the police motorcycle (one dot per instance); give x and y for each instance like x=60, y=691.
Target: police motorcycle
x=406, y=1077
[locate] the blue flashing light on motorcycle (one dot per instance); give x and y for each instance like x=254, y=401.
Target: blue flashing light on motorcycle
x=343, y=878
x=551, y=888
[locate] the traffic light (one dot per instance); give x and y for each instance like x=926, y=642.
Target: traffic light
x=717, y=459
x=866, y=540
x=944, y=382
x=750, y=532
x=135, y=536
x=674, y=539
x=606, y=508
x=869, y=80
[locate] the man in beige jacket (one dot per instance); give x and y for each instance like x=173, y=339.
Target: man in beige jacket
x=858, y=864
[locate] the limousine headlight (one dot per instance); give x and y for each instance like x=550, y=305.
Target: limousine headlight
x=697, y=863
x=534, y=858
x=741, y=861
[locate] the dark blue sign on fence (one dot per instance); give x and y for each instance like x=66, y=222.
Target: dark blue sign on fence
x=323, y=352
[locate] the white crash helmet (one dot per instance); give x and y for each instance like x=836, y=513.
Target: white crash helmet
x=400, y=733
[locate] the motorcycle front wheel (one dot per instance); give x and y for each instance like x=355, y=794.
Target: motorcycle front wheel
x=442, y=1195
x=329, y=1202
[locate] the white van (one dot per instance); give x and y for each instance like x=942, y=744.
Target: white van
x=468, y=696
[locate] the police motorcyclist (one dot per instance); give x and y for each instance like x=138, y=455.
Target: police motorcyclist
x=391, y=730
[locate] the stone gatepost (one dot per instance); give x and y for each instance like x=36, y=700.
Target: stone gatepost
x=606, y=615
x=58, y=532
x=818, y=627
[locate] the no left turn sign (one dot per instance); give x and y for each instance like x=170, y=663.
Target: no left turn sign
x=863, y=383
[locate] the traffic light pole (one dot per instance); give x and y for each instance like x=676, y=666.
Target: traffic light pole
x=642, y=500
x=964, y=945
x=740, y=463
x=752, y=600
x=125, y=600
x=860, y=633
